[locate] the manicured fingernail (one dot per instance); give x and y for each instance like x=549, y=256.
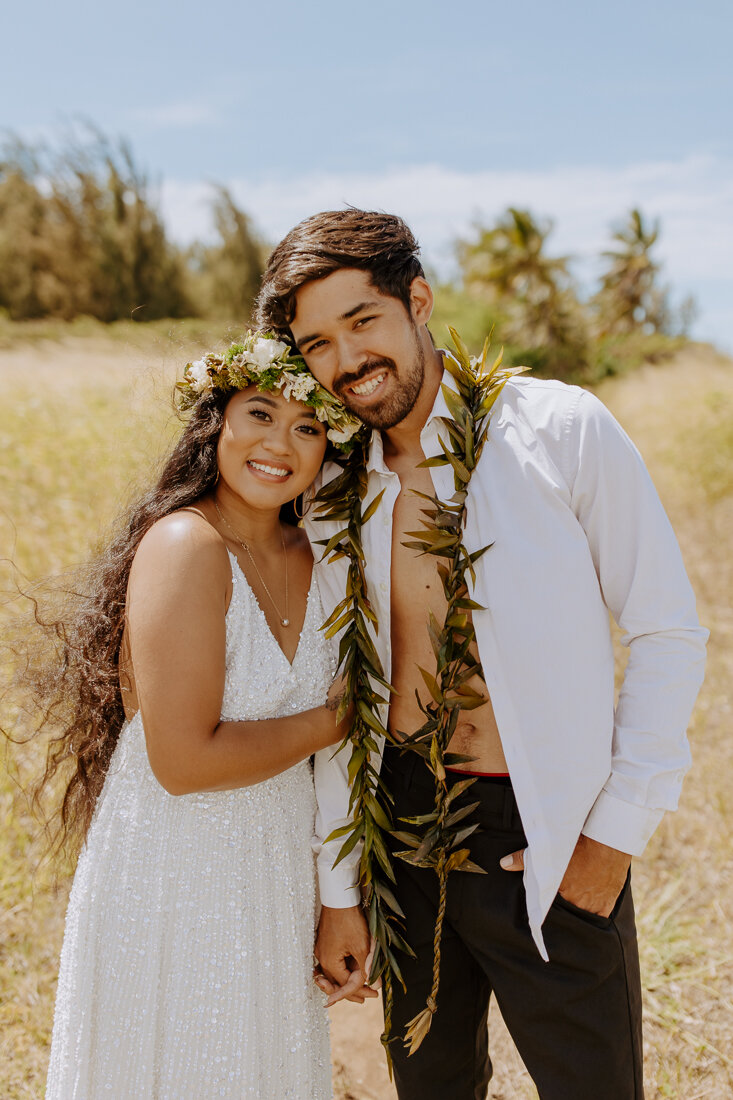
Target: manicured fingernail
x=507, y=862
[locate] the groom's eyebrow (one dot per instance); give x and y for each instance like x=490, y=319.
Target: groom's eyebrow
x=344, y=317
x=357, y=309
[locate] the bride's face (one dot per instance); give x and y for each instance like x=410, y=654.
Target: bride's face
x=270, y=449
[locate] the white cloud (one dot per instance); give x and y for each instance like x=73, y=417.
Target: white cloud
x=186, y=209
x=693, y=198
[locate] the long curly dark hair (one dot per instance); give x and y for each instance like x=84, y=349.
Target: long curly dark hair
x=78, y=692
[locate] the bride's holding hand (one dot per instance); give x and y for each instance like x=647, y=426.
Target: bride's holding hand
x=197, y=686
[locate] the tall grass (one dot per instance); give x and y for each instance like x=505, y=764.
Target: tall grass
x=680, y=416
x=81, y=425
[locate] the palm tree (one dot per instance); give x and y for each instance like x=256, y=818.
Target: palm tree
x=506, y=265
x=629, y=298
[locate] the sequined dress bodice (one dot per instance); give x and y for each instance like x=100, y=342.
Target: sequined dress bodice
x=260, y=682
x=186, y=969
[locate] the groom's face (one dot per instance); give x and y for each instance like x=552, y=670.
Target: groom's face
x=362, y=345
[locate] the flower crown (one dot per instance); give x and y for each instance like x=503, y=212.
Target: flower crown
x=268, y=363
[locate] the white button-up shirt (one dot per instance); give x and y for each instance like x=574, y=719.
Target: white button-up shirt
x=577, y=530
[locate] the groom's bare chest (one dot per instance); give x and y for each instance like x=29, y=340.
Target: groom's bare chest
x=416, y=591
x=416, y=587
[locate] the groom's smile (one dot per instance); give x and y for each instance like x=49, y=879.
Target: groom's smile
x=366, y=386
x=365, y=389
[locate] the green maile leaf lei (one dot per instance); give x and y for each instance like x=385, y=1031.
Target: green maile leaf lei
x=437, y=839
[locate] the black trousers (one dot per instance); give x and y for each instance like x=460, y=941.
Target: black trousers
x=576, y=1020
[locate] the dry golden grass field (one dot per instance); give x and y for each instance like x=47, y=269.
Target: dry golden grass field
x=83, y=419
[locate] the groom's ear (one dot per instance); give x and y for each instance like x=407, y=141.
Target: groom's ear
x=421, y=300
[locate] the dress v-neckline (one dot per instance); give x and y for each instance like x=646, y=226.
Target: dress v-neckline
x=277, y=645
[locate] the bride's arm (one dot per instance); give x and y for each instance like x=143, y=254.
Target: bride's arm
x=180, y=584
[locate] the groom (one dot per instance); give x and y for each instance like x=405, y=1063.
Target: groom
x=569, y=786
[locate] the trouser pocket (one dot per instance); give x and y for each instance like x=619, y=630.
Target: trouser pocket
x=585, y=914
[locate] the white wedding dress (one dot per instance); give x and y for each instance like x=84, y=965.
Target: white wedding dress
x=186, y=969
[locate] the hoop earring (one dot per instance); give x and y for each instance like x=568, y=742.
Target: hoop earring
x=305, y=506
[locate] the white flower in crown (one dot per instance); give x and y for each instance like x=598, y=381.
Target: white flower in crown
x=297, y=386
x=264, y=353
x=198, y=373
x=344, y=434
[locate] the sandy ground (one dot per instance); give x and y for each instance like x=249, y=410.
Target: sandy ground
x=360, y=1071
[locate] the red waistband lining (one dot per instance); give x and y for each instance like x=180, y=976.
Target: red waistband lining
x=479, y=775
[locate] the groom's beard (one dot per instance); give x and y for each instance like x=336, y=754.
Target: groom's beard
x=397, y=404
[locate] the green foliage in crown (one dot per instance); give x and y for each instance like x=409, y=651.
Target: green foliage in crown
x=263, y=361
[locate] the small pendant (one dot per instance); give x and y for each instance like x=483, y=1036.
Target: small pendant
x=285, y=622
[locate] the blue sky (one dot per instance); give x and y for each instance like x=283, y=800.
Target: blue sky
x=443, y=112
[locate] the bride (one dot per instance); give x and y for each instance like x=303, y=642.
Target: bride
x=196, y=681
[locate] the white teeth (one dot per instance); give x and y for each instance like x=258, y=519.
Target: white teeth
x=276, y=470
x=365, y=388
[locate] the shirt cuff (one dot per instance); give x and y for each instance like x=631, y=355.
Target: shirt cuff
x=336, y=885
x=621, y=825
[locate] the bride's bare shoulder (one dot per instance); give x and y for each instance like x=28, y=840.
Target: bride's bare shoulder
x=183, y=542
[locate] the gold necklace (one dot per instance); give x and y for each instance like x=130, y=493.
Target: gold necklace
x=284, y=619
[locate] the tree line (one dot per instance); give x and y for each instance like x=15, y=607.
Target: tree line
x=81, y=234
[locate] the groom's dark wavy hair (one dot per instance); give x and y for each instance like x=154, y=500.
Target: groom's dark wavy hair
x=380, y=244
